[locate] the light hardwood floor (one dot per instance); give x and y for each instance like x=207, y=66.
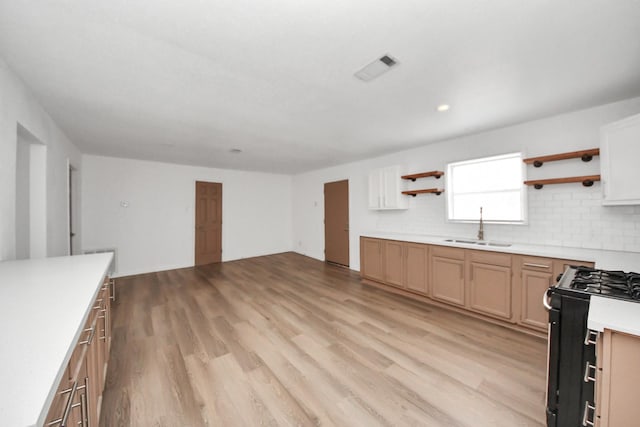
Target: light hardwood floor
x=285, y=340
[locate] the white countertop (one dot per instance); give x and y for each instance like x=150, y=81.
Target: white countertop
x=614, y=314
x=607, y=260
x=44, y=304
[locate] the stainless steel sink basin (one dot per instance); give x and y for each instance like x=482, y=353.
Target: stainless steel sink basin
x=471, y=242
x=481, y=243
x=502, y=245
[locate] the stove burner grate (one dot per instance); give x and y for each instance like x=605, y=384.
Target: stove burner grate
x=613, y=283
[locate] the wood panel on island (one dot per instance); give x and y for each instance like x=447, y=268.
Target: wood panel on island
x=78, y=399
x=430, y=174
x=584, y=155
x=616, y=377
x=501, y=287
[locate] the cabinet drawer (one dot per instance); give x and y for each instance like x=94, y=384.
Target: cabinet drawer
x=536, y=263
x=447, y=252
x=492, y=258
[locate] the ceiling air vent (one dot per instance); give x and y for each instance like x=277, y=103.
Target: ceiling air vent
x=376, y=68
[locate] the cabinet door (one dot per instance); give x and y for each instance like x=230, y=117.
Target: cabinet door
x=619, y=151
x=70, y=406
x=416, y=267
x=375, y=190
x=394, y=263
x=490, y=289
x=384, y=189
x=447, y=282
x=391, y=188
x=56, y=410
x=534, y=285
x=371, y=261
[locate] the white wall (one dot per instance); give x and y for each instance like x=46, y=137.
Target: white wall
x=563, y=215
x=156, y=231
x=22, y=224
x=18, y=106
x=38, y=201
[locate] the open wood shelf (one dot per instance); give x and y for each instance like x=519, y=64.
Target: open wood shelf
x=585, y=155
x=587, y=181
x=414, y=193
x=414, y=176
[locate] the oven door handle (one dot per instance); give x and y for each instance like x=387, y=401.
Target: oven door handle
x=545, y=300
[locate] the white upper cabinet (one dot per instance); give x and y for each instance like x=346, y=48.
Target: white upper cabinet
x=385, y=190
x=619, y=154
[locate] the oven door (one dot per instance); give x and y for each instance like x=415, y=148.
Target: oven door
x=553, y=357
x=567, y=390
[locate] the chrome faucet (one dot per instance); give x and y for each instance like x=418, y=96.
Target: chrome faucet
x=481, y=229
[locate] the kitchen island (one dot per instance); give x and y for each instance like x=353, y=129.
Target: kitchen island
x=44, y=304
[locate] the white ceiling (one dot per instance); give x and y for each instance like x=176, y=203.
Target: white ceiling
x=186, y=81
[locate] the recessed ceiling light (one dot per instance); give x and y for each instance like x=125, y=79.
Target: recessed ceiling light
x=235, y=151
x=443, y=107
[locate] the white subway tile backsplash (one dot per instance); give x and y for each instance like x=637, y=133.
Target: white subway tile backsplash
x=582, y=196
x=571, y=204
x=622, y=210
x=570, y=216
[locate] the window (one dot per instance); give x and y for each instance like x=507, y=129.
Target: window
x=493, y=183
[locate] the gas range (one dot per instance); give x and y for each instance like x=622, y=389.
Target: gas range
x=570, y=392
x=609, y=283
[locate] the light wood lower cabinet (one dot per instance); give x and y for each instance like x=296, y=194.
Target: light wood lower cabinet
x=78, y=397
x=490, y=283
x=447, y=275
x=504, y=286
x=372, y=258
x=406, y=265
x=400, y=264
x=416, y=268
x=617, y=379
x=394, y=263
x=536, y=274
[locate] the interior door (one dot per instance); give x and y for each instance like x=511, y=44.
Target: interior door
x=208, y=245
x=336, y=222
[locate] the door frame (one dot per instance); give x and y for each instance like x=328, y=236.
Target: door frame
x=72, y=200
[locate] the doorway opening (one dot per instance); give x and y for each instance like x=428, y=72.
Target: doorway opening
x=336, y=222
x=31, y=196
x=72, y=192
x=208, y=224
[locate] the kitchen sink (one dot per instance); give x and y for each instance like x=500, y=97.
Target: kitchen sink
x=471, y=242
x=502, y=245
x=481, y=243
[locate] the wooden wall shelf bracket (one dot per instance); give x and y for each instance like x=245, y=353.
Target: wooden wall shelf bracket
x=585, y=155
x=587, y=181
x=414, y=193
x=414, y=176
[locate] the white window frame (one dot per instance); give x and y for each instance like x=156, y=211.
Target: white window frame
x=450, y=177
